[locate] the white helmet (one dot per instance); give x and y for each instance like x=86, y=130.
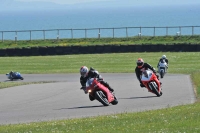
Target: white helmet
x=84, y=71
x=164, y=57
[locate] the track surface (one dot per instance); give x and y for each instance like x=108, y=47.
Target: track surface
x=64, y=99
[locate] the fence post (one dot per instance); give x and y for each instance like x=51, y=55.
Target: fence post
x=72, y=33
x=180, y=30
x=126, y=32
x=166, y=31
x=30, y=35
x=15, y=36
x=2, y=36
x=57, y=35
x=44, y=34
x=192, y=30
x=140, y=33
x=113, y=33
x=99, y=34
x=154, y=32
x=85, y=33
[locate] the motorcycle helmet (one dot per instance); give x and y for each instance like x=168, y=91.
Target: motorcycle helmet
x=84, y=71
x=140, y=62
x=164, y=57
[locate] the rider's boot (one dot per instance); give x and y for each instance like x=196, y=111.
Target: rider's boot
x=111, y=89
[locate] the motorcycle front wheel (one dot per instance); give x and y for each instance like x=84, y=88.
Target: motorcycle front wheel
x=153, y=86
x=161, y=73
x=100, y=96
x=115, y=101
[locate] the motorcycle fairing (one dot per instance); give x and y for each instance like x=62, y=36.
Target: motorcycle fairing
x=93, y=84
x=147, y=77
x=162, y=65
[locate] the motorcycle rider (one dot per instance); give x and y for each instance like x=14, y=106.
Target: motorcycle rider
x=12, y=74
x=141, y=66
x=91, y=73
x=164, y=57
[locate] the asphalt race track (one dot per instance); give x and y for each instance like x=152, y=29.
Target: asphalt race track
x=63, y=98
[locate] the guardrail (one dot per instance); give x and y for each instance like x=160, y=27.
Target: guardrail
x=99, y=33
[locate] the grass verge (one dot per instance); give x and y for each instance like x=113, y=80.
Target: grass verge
x=12, y=84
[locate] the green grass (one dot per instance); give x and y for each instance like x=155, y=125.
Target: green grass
x=182, y=62
x=12, y=84
x=103, y=41
x=196, y=82
x=181, y=119
x=178, y=119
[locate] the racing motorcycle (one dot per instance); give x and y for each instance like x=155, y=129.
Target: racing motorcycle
x=100, y=92
x=162, y=68
x=151, y=82
x=15, y=76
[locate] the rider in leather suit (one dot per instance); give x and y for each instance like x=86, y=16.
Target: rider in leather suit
x=91, y=73
x=163, y=58
x=139, y=69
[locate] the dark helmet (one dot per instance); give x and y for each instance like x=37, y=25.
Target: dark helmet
x=140, y=62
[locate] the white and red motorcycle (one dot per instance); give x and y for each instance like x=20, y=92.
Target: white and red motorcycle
x=100, y=92
x=151, y=82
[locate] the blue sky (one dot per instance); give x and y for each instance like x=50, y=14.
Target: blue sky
x=150, y=2
x=65, y=1
x=9, y=5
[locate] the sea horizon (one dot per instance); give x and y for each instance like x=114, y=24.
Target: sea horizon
x=99, y=18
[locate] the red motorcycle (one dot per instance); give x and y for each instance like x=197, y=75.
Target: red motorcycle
x=151, y=82
x=100, y=92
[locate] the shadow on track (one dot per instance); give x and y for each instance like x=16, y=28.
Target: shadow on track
x=82, y=107
x=138, y=97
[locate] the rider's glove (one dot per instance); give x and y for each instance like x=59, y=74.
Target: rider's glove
x=100, y=80
x=142, y=85
x=84, y=89
x=154, y=71
x=157, y=76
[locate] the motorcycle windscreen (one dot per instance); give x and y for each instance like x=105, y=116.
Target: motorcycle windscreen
x=146, y=75
x=162, y=64
x=89, y=82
